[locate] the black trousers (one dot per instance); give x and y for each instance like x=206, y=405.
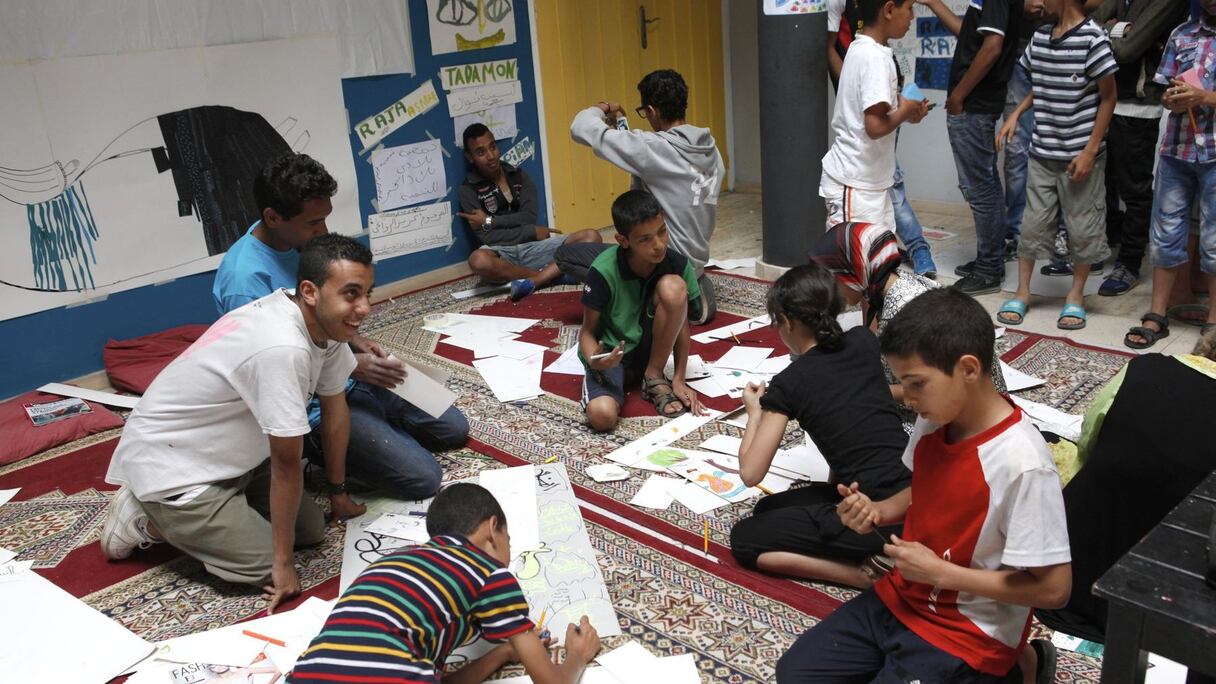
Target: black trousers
x=802, y=521
x=1131, y=148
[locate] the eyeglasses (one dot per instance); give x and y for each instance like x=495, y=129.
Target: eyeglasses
x=640, y=110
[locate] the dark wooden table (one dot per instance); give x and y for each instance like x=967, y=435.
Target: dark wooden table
x=1158, y=600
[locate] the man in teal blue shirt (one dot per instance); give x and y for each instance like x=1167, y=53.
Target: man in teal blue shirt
x=391, y=440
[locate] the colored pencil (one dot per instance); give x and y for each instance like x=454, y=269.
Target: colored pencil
x=263, y=637
x=706, y=537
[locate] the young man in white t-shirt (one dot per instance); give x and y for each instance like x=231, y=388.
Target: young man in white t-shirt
x=859, y=169
x=210, y=459
x=986, y=540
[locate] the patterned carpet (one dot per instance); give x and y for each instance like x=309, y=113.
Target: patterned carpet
x=736, y=622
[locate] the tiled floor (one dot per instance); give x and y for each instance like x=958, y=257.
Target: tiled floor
x=739, y=230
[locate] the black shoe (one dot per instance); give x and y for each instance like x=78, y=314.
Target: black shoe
x=966, y=269
x=974, y=284
x=1011, y=250
x=1057, y=268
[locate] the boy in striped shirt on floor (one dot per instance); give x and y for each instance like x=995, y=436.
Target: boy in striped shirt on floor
x=406, y=612
x=1072, y=78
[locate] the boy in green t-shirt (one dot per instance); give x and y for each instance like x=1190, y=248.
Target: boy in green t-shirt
x=635, y=315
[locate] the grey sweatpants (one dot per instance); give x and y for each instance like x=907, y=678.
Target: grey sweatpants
x=227, y=526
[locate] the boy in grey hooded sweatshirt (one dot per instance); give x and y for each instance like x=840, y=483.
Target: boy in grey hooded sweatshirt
x=678, y=163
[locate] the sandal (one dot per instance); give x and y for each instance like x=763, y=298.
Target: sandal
x=1071, y=311
x=1150, y=336
x=1191, y=314
x=662, y=400
x=1012, y=306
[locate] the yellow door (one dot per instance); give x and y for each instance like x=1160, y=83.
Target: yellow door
x=592, y=51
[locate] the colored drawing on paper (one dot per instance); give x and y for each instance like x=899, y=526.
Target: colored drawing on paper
x=665, y=458
x=460, y=25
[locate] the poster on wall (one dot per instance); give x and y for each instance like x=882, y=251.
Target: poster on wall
x=406, y=231
x=409, y=174
x=127, y=170
x=925, y=52
x=500, y=121
x=794, y=6
x=460, y=25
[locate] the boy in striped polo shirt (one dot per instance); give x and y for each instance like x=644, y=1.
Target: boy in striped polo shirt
x=1072, y=77
x=403, y=615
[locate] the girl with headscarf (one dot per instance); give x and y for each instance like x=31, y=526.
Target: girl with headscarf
x=864, y=258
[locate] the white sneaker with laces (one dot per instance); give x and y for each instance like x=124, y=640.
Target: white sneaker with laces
x=126, y=526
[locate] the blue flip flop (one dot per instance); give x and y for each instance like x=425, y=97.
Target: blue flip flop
x=1071, y=311
x=1012, y=306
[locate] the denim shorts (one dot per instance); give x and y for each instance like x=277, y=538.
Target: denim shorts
x=534, y=255
x=1177, y=187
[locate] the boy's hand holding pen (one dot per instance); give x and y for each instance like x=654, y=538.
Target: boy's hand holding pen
x=606, y=359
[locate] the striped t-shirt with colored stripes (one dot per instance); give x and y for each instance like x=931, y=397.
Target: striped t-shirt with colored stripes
x=1064, y=75
x=406, y=612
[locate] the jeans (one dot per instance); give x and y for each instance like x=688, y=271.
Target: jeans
x=1179, y=184
x=391, y=442
x=973, y=140
x=1131, y=147
x=1017, y=153
x=907, y=226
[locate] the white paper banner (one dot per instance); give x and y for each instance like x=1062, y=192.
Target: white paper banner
x=500, y=121
x=522, y=151
x=479, y=74
x=373, y=129
x=406, y=231
x=409, y=174
x=459, y=25
x=481, y=98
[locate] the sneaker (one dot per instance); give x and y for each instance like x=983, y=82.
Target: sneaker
x=977, y=284
x=521, y=288
x=1057, y=267
x=922, y=263
x=1120, y=280
x=126, y=527
x=704, y=309
x=966, y=269
x=1011, y=250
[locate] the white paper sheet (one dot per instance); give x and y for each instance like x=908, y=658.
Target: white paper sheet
x=361, y=547
x=709, y=387
x=6, y=555
x=7, y=495
x=51, y=636
x=804, y=461
x=736, y=417
x=661, y=436
x=723, y=444
x=738, y=327
x=409, y=174
x=511, y=379
x=696, y=499
x=11, y=570
x=717, y=481
x=106, y=398
x=422, y=389
x=515, y=490
x=850, y=319
x=630, y=662
x=732, y=264
x=398, y=526
x=484, y=348
x=480, y=98
x=591, y=675
x=773, y=365
x=460, y=26
x=1016, y=380
x=607, y=472
x=774, y=480
x=414, y=104
x=500, y=121
x=1051, y=419
x=568, y=363
x=475, y=325
x=743, y=358
x=481, y=290
x=407, y=231
x=655, y=493
x=695, y=368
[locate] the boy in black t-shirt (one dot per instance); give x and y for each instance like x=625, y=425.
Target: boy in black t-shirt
x=979, y=75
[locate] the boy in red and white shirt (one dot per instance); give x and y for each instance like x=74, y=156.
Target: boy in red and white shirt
x=986, y=540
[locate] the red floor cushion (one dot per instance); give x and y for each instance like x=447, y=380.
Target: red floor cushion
x=22, y=438
x=133, y=364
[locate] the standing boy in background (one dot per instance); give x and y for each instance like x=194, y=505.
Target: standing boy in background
x=679, y=164
x=1072, y=76
x=843, y=25
x=979, y=75
x=499, y=203
x=859, y=169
